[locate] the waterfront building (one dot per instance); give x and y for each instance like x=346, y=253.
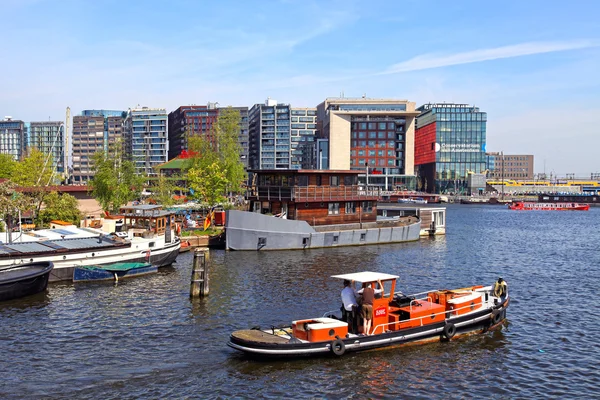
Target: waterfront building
x=371, y=135
x=49, y=138
x=12, y=137
x=450, y=142
x=302, y=141
x=509, y=166
x=197, y=120
x=93, y=131
x=269, y=135
x=146, y=138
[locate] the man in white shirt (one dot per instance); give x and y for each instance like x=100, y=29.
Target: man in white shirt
x=350, y=305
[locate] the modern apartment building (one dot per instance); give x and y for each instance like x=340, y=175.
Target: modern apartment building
x=189, y=120
x=509, y=166
x=196, y=120
x=374, y=135
x=302, y=141
x=93, y=131
x=13, y=136
x=49, y=138
x=146, y=138
x=269, y=135
x=450, y=141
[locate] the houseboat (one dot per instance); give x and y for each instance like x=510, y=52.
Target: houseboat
x=141, y=233
x=302, y=209
x=435, y=315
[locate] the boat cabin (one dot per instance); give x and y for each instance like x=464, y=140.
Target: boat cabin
x=145, y=220
x=319, y=197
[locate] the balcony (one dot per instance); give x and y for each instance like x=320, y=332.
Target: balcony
x=312, y=193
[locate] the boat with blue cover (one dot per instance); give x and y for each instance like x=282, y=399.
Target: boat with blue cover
x=112, y=272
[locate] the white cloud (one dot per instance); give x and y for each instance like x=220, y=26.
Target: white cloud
x=428, y=61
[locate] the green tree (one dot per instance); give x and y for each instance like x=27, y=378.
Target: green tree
x=115, y=180
x=208, y=184
x=220, y=147
x=59, y=207
x=13, y=202
x=7, y=166
x=163, y=190
x=35, y=173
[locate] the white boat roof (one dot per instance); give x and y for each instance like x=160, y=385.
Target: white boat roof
x=366, y=276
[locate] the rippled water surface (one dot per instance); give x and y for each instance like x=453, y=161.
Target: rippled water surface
x=144, y=338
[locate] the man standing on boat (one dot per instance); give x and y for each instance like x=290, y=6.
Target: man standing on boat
x=366, y=310
x=350, y=305
x=500, y=289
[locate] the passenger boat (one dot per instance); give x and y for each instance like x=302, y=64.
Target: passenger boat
x=112, y=272
x=435, y=315
x=532, y=206
x=24, y=280
x=141, y=233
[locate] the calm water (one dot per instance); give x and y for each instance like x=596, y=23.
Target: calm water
x=144, y=338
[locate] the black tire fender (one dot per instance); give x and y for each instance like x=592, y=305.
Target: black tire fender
x=496, y=317
x=338, y=347
x=449, y=330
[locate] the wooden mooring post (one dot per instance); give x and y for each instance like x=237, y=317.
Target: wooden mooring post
x=199, y=283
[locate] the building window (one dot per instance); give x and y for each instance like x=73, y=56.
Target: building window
x=350, y=207
x=333, y=209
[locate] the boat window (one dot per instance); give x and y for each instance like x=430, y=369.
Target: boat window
x=335, y=239
x=363, y=237
x=302, y=180
x=151, y=244
x=334, y=180
x=319, y=180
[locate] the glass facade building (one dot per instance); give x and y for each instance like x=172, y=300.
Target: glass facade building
x=12, y=137
x=302, y=141
x=269, y=136
x=146, y=138
x=49, y=138
x=450, y=144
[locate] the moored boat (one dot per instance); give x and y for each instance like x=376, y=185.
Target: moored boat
x=532, y=206
x=112, y=272
x=139, y=234
x=24, y=280
x=397, y=319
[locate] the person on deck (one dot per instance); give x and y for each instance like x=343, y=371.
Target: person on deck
x=500, y=289
x=350, y=305
x=366, y=310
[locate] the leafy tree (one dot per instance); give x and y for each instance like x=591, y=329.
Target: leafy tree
x=7, y=166
x=208, y=184
x=61, y=207
x=13, y=202
x=221, y=148
x=35, y=173
x=163, y=190
x=115, y=181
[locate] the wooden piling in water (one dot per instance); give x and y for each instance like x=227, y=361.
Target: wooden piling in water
x=199, y=282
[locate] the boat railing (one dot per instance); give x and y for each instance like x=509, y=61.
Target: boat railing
x=307, y=193
x=446, y=313
x=329, y=313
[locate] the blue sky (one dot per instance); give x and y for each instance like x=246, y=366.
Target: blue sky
x=531, y=65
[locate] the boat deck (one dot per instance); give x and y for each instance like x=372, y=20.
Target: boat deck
x=258, y=336
x=59, y=246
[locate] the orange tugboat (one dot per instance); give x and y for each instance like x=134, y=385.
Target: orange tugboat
x=397, y=319
x=531, y=206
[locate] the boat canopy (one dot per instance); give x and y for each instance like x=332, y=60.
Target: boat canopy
x=366, y=276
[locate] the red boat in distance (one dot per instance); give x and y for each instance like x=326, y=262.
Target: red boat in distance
x=525, y=205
